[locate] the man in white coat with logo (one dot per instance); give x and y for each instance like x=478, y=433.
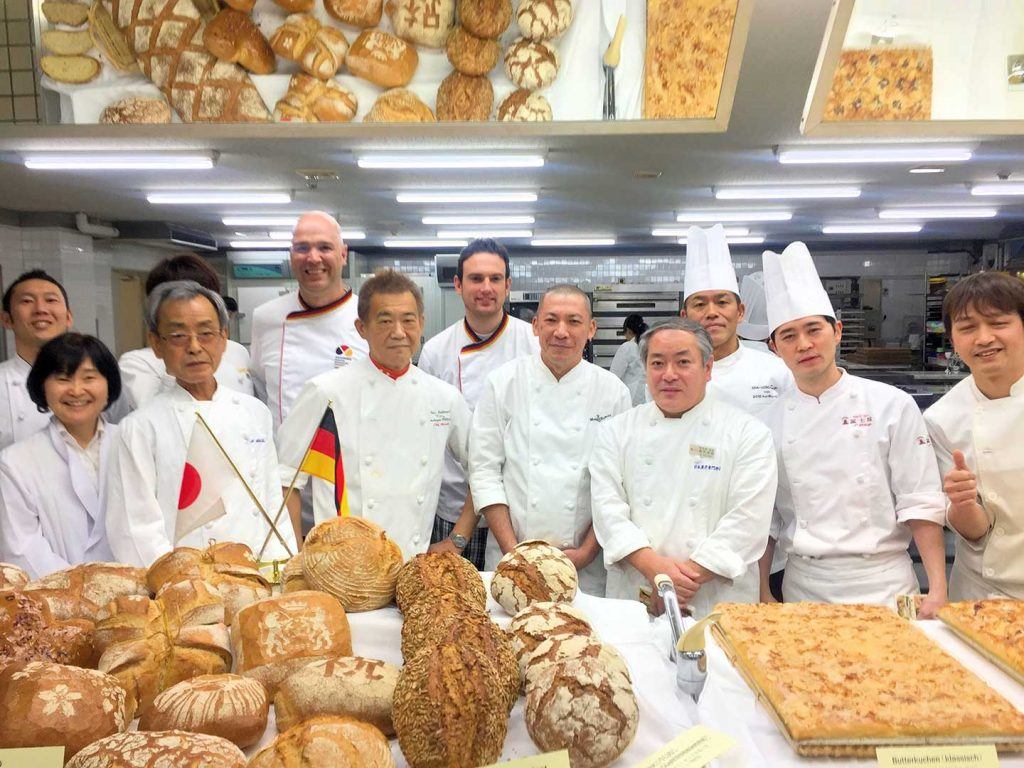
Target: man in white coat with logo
x=857, y=474
x=747, y=378
x=683, y=485
x=463, y=354
x=532, y=434
x=188, y=331
x=976, y=431
x=394, y=423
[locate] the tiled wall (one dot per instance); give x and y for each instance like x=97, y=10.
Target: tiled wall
x=19, y=100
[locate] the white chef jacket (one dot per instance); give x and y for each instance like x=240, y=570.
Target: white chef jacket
x=460, y=357
x=749, y=379
x=19, y=416
x=760, y=346
x=145, y=478
x=530, y=446
x=628, y=366
x=854, y=466
x=699, y=487
x=292, y=343
x=989, y=434
x=393, y=436
x=143, y=374
x=51, y=504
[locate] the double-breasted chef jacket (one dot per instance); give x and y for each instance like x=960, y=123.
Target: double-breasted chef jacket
x=627, y=365
x=293, y=342
x=530, y=448
x=52, y=502
x=699, y=487
x=854, y=466
x=989, y=432
x=145, y=478
x=749, y=379
x=19, y=416
x=393, y=435
x=144, y=375
x=463, y=359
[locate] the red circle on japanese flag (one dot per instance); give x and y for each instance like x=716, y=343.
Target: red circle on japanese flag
x=191, y=485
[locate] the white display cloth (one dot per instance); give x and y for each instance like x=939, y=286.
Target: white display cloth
x=728, y=705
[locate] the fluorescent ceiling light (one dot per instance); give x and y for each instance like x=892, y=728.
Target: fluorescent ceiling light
x=458, y=234
x=714, y=217
x=872, y=154
x=102, y=161
x=242, y=245
x=471, y=221
x=408, y=242
x=346, y=234
x=751, y=240
x=998, y=188
x=216, y=197
x=870, y=229
x=461, y=160
x=470, y=196
x=927, y=169
x=682, y=231
x=790, y=192
x=560, y=242
x=938, y=213
x=260, y=221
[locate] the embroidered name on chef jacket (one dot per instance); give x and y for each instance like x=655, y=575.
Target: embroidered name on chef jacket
x=858, y=420
x=343, y=355
x=764, y=391
x=924, y=440
x=601, y=417
x=441, y=417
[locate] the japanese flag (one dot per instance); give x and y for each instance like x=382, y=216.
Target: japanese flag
x=205, y=478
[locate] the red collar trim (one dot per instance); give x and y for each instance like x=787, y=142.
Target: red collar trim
x=308, y=311
x=390, y=372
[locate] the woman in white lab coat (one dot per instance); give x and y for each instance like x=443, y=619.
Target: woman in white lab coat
x=52, y=483
x=627, y=364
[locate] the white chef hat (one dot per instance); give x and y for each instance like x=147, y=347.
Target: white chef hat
x=708, y=262
x=754, y=325
x=792, y=286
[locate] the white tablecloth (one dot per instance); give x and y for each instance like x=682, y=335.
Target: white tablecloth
x=728, y=705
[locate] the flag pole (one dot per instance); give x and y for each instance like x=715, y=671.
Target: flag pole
x=252, y=495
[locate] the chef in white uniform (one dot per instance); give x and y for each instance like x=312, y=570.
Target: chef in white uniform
x=745, y=377
x=976, y=431
x=753, y=328
x=532, y=434
x=187, y=330
x=300, y=335
x=463, y=354
x=626, y=364
x=857, y=474
x=394, y=422
x=35, y=308
x=143, y=374
x=53, y=482
x=683, y=485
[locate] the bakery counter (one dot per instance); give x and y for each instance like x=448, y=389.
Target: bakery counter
x=727, y=704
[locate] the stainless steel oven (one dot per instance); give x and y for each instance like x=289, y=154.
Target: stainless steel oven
x=612, y=303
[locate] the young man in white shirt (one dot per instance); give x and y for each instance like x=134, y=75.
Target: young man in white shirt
x=857, y=474
x=463, y=354
x=976, y=431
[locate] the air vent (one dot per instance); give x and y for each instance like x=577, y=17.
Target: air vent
x=174, y=235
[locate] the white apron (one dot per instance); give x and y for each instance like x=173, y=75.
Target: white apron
x=871, y=579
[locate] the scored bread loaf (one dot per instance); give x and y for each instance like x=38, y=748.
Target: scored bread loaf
x=28, y=632
x=347, y=686
x=354, y=560
x=159, y=749
x=230, y=706
x=531, y=64
x=536, y=623
x=482, y=633
x=446, y=570
x=12, y=577
x=82, y=592
x=311, y=100
x=232, y=36
x=525, y=106
x=319, y=50
x=544, y=19
x=278, y=636
x=534, y=571
x=327, y=742
x=423, y=22
x=299, y=100
x=358, y=13
x=571, y=646
x=437, y=605
x=399, y=105
x=382, y=59
x=53, y=705
x=485, y=18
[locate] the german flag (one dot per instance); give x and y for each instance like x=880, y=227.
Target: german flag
x=323, y=460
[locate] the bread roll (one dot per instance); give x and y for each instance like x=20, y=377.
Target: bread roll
x=354, y=560
x=325, y=53
x=276, y=637
x=424, y=22
x=524, y=106
x=28, y=632
x=292, y=579
x=296, y=6
x=232, y=36
x=84, y=591
x=485, y=18
x=471, y=55
x=67, y=43
x=558, y=648
x=544, y=19
x=451, y=708
x=69, y=14
x=399, y=106
x=382, y=59
x=443, y=570
x=159, y=749
x=135, y=110
x=437, y=605
x=531, y=64
x=535, y=624
x=290, y=40
x=358, y=13
x=12, y=577
x=348, y=686
x=533, y=572
x=582, y=706
x=464, y=98
x=310, y=100
x=327, y=742
x=50, y=705
x=232, y=707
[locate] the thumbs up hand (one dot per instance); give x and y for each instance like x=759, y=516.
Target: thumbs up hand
x=960, y=484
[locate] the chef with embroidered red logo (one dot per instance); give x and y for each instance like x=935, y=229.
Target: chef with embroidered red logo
x=857, y=477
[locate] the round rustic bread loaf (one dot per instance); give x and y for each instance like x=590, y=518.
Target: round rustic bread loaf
x=544, y=19
x=354, y=560
x=451, y=708
x=524, y=106
x=232, y=707
x=292, y=578
x=28, y=632
x=424, y=22
x=53, y=705
x=464, y=98
x=12, y=577
x=533, y=572
x=159, y=749
x=558, y=648
x=445, y=570
x=135, y=110
x=327, y=742
x=485, y=18
x=437, y=604
x=472, y=55
x=531, y=64
x=349, y=686
x=83, y=592
x=582, y=706
x=482, y=633
x=535, y=624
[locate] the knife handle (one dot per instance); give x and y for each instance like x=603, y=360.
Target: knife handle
x=614, y=52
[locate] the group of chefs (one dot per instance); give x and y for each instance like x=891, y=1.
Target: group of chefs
x=731, y=462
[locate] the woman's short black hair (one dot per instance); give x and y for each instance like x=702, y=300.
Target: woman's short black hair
x=636, y=324
x=183, y=266
x=63, y=356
